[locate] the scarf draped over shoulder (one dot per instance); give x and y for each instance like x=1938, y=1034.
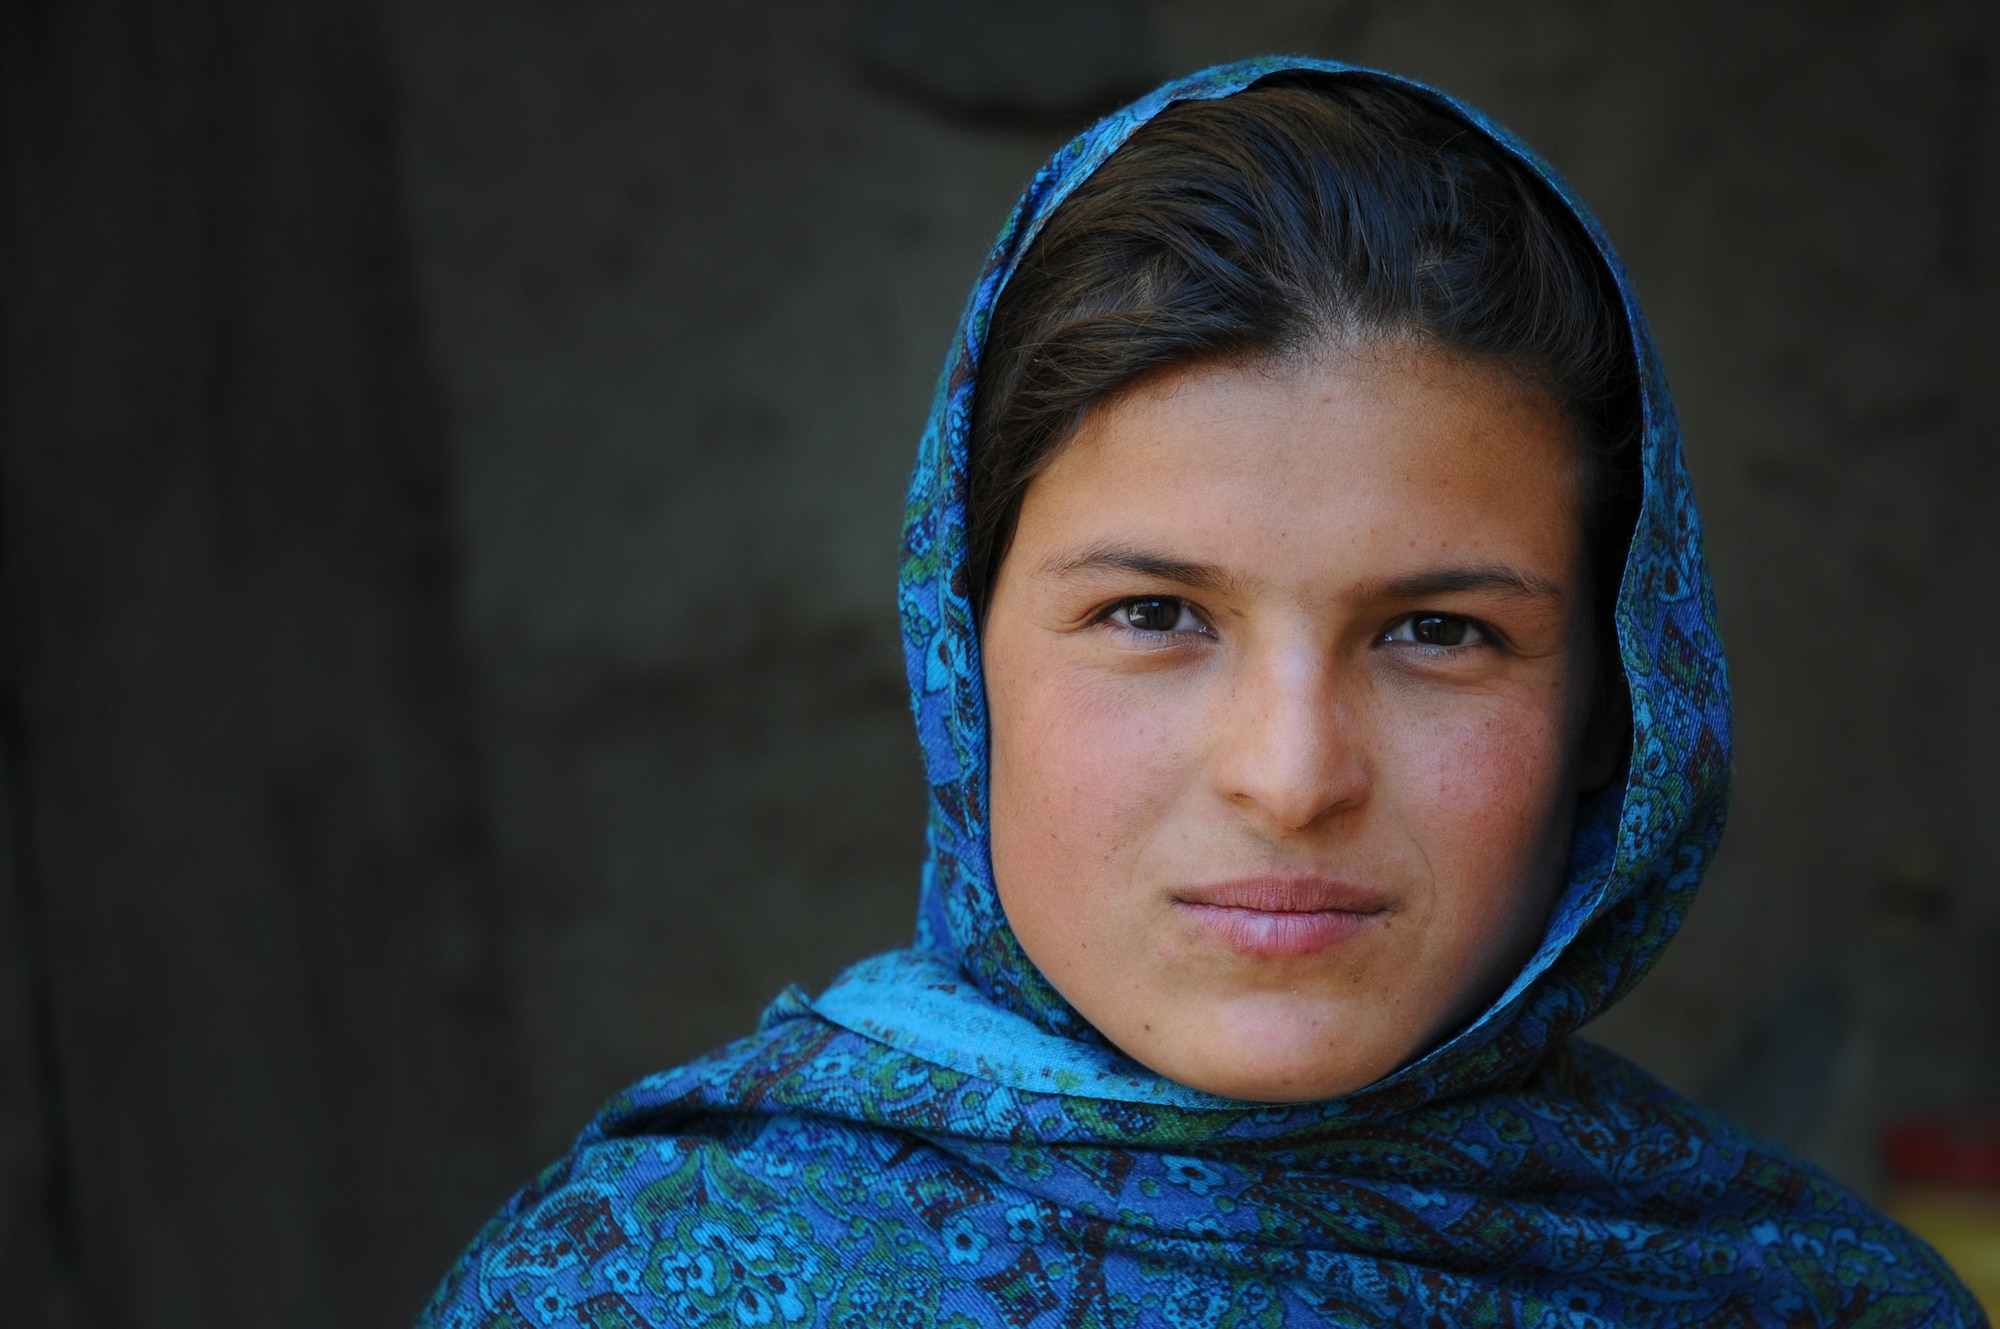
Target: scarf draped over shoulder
x=939, y=1139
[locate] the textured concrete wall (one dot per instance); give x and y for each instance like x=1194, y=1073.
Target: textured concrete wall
x=678, y=279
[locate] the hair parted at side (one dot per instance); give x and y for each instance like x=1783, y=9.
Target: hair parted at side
x=1304, y=209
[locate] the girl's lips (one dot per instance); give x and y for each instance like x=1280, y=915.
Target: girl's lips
x=1282, y=917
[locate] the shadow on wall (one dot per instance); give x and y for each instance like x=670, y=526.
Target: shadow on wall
x=1899, y=1022
x=1035, y=64
x=452, y=459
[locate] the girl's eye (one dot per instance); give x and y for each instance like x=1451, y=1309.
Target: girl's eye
x=1434, y=629
x=1156, y=614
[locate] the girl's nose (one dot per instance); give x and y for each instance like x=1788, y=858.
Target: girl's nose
x=1290, y=750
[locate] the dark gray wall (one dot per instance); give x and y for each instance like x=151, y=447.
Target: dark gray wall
x=258, y=873
x=450, y=468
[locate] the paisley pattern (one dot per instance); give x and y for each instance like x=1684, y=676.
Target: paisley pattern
x=939, y=1139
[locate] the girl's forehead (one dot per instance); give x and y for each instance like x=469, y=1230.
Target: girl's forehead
x=1289, y=470
x=1406, y=423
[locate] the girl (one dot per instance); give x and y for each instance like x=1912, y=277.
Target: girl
x=1318, y=682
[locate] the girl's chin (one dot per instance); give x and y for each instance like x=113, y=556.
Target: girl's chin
x=1263, y=1084
x=1271, y=1052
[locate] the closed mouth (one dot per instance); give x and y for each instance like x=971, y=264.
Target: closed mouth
x=1282, y=917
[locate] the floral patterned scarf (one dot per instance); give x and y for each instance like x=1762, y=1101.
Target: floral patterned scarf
x=939, y=1139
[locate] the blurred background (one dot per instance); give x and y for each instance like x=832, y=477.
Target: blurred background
x=451, y=456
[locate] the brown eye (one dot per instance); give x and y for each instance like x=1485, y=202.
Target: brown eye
x=1158, y=619
x=1153, y=615
x=1434, y=629
x=1439, y=629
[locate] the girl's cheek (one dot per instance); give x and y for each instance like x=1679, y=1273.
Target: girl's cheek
x=1108, y=755
x=1493, y=779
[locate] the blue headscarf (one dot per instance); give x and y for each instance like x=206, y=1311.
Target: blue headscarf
x=940, y=1139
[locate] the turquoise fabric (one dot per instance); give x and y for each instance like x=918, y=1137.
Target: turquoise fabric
x=940, y=1139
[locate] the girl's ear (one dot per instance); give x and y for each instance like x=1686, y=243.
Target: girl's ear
x=1607, y=738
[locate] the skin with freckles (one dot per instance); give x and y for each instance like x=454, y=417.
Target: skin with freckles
x=1292, y=689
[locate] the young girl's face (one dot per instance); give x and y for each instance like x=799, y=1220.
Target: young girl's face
x=1290, y=672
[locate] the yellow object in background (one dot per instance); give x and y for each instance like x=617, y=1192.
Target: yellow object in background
x=1944, y=1176
x=1964, y=1225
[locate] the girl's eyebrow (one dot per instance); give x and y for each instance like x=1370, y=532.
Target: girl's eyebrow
x=1493, y=577
x=1125, y=558
x=1485, y=577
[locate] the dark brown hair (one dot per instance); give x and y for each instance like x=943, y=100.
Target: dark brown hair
x=1305, y=208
